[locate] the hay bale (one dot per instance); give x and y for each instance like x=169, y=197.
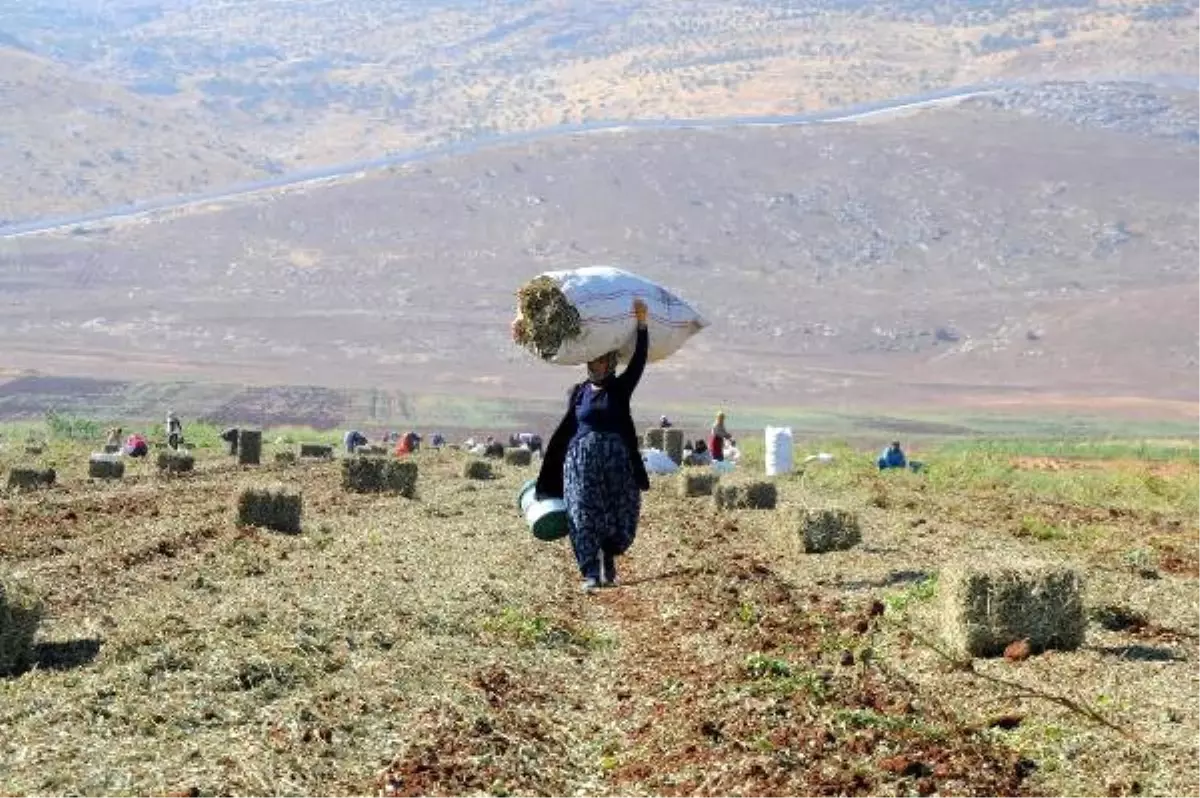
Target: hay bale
x=655, y=438
x=829, y=530
x=380, y=475
x=494, y=450
x=986, y=607
x=546, y=318
x=22, y=478
x=478, y=469
x=285, y=458
x=746, y=496
x=20, y=613
x=106, y=466
x=112, y=448
x=275, y=507
x=323, y=451
x=518, y=456
x=372, y=450
x=249, y=446
x=171, y=461
x=34, y=449
x=697, y=483
x=673, y=445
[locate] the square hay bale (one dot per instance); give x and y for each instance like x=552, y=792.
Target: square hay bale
x=34, y=449
x=23, y=478
x=106, y=466
x=986, y=607
x=380, y=475
x=323, y=451
x=829, y=530
x=112, y=448
x=275, y=507
x=697, y=483
x=249, y=446
x=518, y=456
x=478, y=469
x=372, y=450
x=171, y=461
x=673, y=445
x=655, y=438
x=746, y=496
x=20, y=614
x=285, y=458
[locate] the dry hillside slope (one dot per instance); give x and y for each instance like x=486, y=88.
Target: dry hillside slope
x=965, y=254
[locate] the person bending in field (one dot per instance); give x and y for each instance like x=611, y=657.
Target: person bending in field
x=174, y=430
x=593, y=463
x=892, y=457
x=352, y=440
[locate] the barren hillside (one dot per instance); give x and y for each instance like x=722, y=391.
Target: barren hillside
x=976, y=255
x=288, y=85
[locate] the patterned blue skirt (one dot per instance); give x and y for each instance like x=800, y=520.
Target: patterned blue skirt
x=602, y=496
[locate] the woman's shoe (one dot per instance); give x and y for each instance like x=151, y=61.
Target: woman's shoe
x=590, y=585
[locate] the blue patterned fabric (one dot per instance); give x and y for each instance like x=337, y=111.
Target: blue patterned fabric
x=602, y=497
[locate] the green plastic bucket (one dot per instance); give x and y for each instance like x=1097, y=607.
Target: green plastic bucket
x=547, y=518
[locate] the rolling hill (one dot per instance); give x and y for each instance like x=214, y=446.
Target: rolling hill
x=1011, y=251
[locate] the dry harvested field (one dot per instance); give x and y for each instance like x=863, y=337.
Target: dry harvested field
x=433, y=646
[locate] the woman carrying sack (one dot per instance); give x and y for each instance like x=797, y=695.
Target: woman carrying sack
x=593, y=463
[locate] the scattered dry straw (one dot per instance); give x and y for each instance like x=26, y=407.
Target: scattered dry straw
x=547, y=319
x=986, y=607
x=380, y=475
x=518, y=457
x=20, y=614
x=697, y=483
x=829, y=530
x=275, y=507
x=746, y=496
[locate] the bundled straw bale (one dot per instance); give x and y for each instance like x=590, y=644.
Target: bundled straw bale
x=478, y=469
x=380, y=475
x=829, y=530
x=249, y=446
x=746, y=496
x=547, y=319
x=673, y=443
x=697, y=483
x=171, y=461
x=372, y=450
x=285, y=458
x=34, y=449
x=22, y=478
x=319, y=450
x=275, y=507
x=106, y=466
x=655, y=438
x=20, y=613
x=518, y=456
x=986, y=607
x=112, y=448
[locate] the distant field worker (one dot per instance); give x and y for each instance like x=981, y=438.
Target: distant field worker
x=717, y=437
x=230, y=436
x=409, y=443
x=892, y=457
x=352, y=440
x=136, y=446
x=664, y=422
x=112, y=436
x=174, y=430
x=593, y=463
